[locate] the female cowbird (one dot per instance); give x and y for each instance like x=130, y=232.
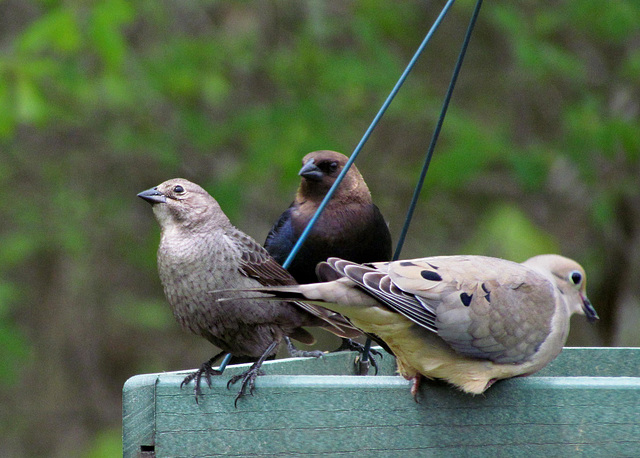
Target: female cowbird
x=201, y=252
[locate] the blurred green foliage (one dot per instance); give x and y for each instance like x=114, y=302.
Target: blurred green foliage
x=99, y=100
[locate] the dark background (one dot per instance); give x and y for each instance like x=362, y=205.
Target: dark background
x=101, y=100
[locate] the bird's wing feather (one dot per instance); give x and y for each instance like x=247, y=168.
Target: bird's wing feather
x=484, y=307
x=378, y=285
x=256, y=263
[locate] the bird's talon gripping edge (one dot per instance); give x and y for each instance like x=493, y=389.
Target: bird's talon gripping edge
x=207, y=370
x=295, y=353
x=248, y=381
x=415, y=387
x=249, y=376
x=361, y=363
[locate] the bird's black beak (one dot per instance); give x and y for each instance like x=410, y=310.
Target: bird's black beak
x=153, y=196
x=589, y=311
x=311, y=172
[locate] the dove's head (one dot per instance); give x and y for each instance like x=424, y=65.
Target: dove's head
x=571, y=280
x=179, y=203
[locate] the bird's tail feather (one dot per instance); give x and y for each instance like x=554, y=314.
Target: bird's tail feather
x=331, y=321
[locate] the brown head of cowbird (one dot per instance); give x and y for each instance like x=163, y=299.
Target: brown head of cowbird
x=350, y=227
x=200, y=252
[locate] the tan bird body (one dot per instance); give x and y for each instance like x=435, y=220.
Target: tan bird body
x=200, y=251
x=469, y=320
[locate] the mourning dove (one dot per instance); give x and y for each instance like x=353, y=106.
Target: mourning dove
x=469, y=320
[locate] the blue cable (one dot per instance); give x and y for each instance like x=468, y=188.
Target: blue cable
x=225, y=362
x=367, y=134
x=365, y=137
x=434, y=140
x=436, y=132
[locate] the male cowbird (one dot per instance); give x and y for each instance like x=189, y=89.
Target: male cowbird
x=200, y=252
x=350, y=227
x=469, y=320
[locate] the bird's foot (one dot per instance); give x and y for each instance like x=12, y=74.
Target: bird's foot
x=205, y=370
x=361, y=362
x=248, y=378
x=415, y=387
x=295, y=353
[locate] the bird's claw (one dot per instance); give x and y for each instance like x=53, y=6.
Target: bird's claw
x=352, y=345
x=295, y=353
x=415, y=387
x=248, y=382
x=361, y=362
x=205, y=370
x=363, y=365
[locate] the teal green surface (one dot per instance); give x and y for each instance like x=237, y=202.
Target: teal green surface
x=586, y=402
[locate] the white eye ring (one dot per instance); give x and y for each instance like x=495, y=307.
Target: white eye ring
x=575, y=277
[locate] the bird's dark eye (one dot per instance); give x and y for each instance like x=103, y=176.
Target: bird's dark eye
x=328, y=167
x=178, y=189
x=576, y=277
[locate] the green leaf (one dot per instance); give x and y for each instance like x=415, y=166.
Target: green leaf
x=57, y=30
x=30, y=104
x=106, y=31
x=506, y=232
x=143, y=313
x=106, y=444
x=14, y=350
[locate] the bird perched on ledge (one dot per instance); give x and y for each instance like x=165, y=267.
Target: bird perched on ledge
x=201, y=251
x=469, y=320
x=350, y=227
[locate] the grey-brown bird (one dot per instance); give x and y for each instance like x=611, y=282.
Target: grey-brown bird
x=201, y=251
x=350, y=227
x=468, y=320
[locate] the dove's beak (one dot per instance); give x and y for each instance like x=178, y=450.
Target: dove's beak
x=589, y=311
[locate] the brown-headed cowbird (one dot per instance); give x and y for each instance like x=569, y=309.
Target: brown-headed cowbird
x=469, y=320
x=350, y=227
x=200, y=252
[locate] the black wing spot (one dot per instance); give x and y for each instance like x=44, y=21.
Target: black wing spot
x=407, y=264
x=430, y=275
x=488, y=297
x=484, y=287
x=435, y=267
x=466, y=299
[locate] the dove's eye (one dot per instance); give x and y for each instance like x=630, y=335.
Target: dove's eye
x=178, y=189
x=575, y=277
